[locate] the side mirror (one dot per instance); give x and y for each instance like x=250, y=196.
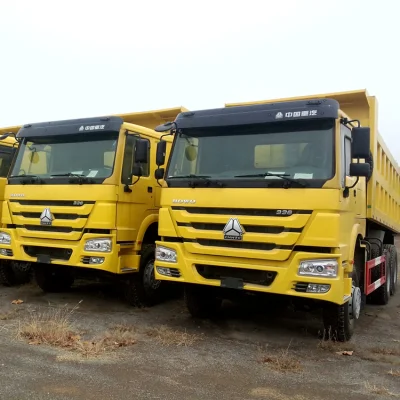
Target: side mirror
x=137, y=170
x=161, y=152
x=141, y=151
x=360, y=146
x=357, y=169
x=159, y=173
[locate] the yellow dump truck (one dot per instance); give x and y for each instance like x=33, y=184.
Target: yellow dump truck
x=296, y=197
x=14, y=272
x=81, y=198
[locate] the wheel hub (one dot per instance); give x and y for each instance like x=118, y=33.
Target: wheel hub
x=149, y=278
x=355, y=302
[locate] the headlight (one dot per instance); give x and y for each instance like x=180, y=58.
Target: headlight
x=324, y=268
x=5, y=238
x=165, y=254
x=101, y=245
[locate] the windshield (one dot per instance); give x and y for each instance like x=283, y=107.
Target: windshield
x=274, y=152
x=65, y=158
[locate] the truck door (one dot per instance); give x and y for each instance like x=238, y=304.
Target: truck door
x=135, y=199
x=354, y=201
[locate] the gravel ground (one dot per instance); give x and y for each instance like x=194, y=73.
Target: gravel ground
x=244, y=354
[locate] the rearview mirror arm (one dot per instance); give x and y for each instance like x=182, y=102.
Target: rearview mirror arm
x=346, y=190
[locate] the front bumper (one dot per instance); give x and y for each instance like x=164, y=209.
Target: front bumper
x=70, y=253
x=284, y=277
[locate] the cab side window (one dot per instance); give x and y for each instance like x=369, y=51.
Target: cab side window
x=6, y=157
x=129, y=162
x=345, y=138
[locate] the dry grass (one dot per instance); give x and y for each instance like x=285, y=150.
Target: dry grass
x=386, y=351
x=394, y=373
x=52, y=327
x=170, y=337
x=329, y=343
x=380, y=390
x=283, y=362
x=55, y=328
x=7, y=315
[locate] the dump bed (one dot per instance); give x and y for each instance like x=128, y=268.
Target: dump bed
x=151, y=119
x=383, y=193
x=9, y=140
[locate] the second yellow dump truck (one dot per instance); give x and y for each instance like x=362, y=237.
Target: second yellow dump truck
x=10, y=272
x=297, y=197
x=81, y=196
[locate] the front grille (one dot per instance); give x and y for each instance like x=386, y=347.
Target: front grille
x=240, y=211
x=247, y=228
x=56, y=215
x=253, y=276
x=46, y=228
x=52, y=252
x=49, y=203
x=300, y=287
x=237, y=244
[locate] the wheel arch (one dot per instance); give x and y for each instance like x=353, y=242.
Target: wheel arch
x=148, y=232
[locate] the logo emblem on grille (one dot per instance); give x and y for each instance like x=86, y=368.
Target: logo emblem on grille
x=233, y=230
x=46, y=218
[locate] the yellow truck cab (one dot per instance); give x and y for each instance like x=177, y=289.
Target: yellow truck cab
x=10, y=273
x=81, y=198
x=297, y=197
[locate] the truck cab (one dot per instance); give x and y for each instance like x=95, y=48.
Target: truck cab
x=82, y=198
x=278, y=197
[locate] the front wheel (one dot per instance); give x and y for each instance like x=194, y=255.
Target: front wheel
x=202, y=301
x=143, y=289
x=14, y=273
x=53, y=279
x=339, y=320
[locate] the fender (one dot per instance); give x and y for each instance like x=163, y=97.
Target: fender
x=355, y=232
x=150, y=219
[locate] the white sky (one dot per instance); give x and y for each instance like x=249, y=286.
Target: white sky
x=71, y=59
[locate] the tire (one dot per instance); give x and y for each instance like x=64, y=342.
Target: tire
x=381, y=295
x=142, y=289
x=339, y=320
x=11, y=274
x=53, y=279
x=202, y=301
x=394, y=270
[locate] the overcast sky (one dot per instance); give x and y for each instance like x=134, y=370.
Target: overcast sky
x=87, y=58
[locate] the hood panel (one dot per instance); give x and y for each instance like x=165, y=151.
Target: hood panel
x=60, y=211
x=218, y=221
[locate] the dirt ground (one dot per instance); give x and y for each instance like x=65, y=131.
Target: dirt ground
x=94, y=346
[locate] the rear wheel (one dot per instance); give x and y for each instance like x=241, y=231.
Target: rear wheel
x=202, y=301
x=143, y=289
x=392, y=260
x=53, y=279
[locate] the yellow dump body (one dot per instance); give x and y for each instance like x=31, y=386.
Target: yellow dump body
x=383, y=193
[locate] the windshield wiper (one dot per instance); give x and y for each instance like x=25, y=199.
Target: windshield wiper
x=81, y=178
x=285, y=177
x=194, y=177
x=23, y=181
